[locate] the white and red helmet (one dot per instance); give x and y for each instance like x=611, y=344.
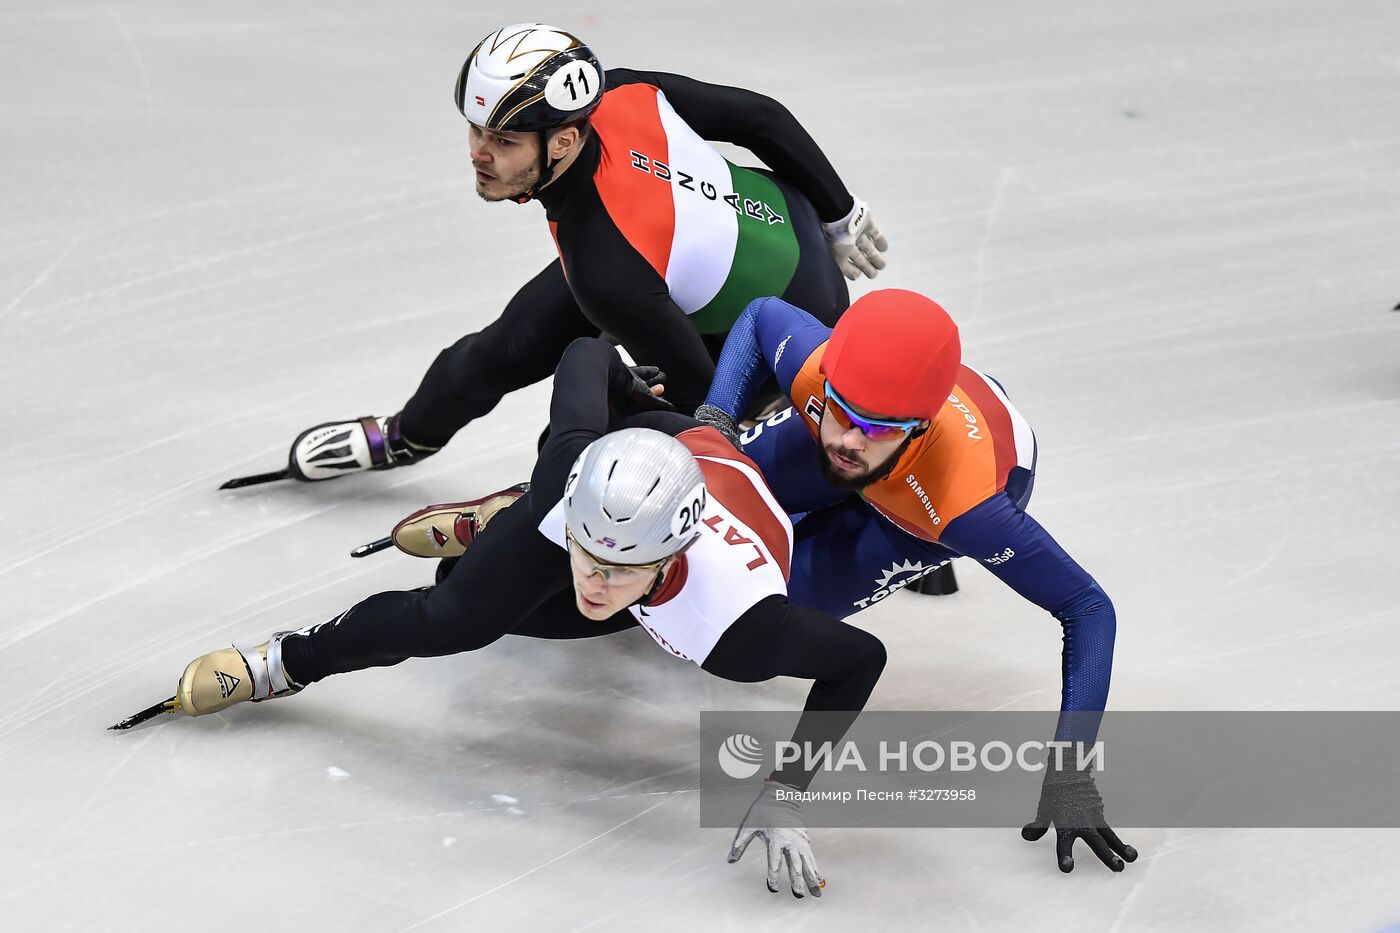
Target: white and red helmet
x=529, y=77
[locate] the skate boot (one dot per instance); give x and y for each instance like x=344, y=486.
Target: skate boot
x=339, y=447
x=942, y=582
x=222, y=678
x=447, y=530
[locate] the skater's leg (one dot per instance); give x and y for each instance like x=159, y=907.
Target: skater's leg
x=848, y=557
x=465, y=381
x=510, y=570
x=519, y=348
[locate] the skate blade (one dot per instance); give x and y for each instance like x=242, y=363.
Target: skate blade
x=374, y=547
x=256, y=479
x=171, y=705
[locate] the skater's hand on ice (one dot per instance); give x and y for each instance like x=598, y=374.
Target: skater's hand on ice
x=1070, y=800
x=779, y=824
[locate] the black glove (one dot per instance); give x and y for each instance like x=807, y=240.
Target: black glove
x=1071, y=801
x=719, y=419
x=629, y=389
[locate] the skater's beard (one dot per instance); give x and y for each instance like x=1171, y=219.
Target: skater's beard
x=515, y=187
x=860, y=481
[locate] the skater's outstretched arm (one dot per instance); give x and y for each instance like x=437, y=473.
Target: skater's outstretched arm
x=776, y=638
x=1024, y=556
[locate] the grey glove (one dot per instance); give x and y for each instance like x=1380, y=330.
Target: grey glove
x=719, y=419
x=779, y=823
x=1070, y=799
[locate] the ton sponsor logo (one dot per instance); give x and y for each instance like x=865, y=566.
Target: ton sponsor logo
x=897, y=578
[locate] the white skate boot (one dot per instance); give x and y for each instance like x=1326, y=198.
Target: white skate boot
x=339, y=447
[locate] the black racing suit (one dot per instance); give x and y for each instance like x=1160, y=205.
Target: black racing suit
x=513, y=580
x=637, y=220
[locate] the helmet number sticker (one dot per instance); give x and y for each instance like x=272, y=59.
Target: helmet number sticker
x=573, y=87
x=691, y=511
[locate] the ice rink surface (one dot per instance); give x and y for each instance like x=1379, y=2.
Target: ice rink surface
x=1172, y=231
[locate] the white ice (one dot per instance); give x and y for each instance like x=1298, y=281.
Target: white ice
x=1172, y=230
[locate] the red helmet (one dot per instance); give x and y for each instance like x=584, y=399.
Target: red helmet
x=894, y=353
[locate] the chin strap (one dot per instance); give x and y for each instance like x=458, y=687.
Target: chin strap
x=656, y=585
x=661, y=578
x=546, y=171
